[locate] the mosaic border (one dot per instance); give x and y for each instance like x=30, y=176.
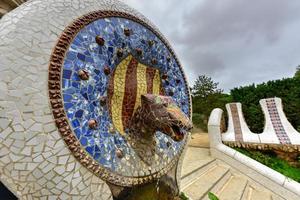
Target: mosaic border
x=276, y=121
x=290, y=148
x=55, y=97
x=238, y=133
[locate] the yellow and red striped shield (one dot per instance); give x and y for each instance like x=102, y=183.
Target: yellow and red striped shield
x=128, y=82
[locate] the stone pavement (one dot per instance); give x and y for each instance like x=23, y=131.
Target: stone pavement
x=199, y=140
x=202, y=174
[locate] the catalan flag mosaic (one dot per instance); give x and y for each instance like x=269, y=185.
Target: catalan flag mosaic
x=110, y=63
x=129, y=81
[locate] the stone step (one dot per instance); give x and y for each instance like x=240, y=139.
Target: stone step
x=219, y=185
x=259, y=195
x=202, y=174
x=191, y=176
x=276, y=197
x=196, y=162
x=194, y=159
x=200, y=187
x=233, y=189
x=255, y=191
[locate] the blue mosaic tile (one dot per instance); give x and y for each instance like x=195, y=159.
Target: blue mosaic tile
x=81, y=98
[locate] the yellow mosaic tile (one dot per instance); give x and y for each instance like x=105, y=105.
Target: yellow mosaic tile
x=141, y=84
x=119, y=90
x=156, y=83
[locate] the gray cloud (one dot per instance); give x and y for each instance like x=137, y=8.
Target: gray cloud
x=235, y=42
x=219, y=21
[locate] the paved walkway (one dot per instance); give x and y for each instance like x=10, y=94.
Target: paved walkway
x=199, y=140
x=202, y=174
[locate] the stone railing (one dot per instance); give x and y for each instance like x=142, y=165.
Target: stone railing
x=278, y=133
x=274, y=181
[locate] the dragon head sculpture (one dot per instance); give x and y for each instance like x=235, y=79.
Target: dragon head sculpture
x=156, y=113
x=162, y=114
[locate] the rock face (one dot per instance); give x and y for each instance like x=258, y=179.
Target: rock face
x=40, y=154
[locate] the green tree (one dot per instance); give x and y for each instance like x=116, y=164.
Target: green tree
x=287, y=89
x=297, y=74
x=206, y=96
x=205, y=86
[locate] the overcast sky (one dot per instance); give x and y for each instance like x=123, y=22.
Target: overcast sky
x=236, y=42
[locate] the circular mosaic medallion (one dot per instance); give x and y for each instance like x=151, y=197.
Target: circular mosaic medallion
x=99, y=69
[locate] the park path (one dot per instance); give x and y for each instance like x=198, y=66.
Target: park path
x=202, y=174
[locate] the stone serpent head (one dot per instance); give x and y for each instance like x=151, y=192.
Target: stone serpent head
x=162, y=114
x=156, y=113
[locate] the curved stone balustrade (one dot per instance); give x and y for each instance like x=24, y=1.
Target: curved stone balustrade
x=277, y=125
x=237, y=127
x=283, y=186
x=278, y=132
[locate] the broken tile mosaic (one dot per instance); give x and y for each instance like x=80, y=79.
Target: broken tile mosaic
x=92, y=58
x=276, y=122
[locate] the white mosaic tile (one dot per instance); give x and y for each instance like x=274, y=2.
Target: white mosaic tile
x=21, y=84
x=34, y=160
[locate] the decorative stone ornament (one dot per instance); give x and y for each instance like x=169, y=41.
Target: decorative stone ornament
x=83, y=74
x=127, y=32
x=171, y=93
x=153, y=61
x=139, y=51
x=64, y=135
x=92, y=124
x=119, y=153
x=168, y=58
x=100, y=40
x=103, y=101
x=106, y=70
x=164, y=76
x=150, y=43
x=112, y=130
x=120, y=52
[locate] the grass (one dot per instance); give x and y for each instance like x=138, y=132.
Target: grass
x=182, y=196
x=269, y=159
x=212, y=196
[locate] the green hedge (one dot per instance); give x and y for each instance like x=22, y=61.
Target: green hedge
x=199, y=121
x=202, y=107
x=287, y=89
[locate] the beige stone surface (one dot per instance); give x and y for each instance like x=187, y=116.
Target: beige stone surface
x=199, y=140
x=204, y=183
x=233, y=189
x=202, y=173
x=196, y=162
x=195, y=158
x=252, y=194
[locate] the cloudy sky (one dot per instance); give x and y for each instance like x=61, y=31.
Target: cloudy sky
x=235, y=42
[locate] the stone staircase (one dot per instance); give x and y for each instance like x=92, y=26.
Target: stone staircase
x=202, y=174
